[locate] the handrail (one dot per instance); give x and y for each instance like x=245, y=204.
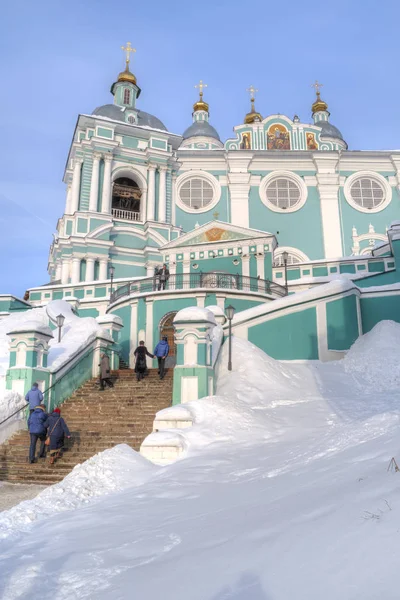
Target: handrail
x=60, y=379
x=181, y=281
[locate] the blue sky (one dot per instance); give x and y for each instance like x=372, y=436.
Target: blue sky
x=58, y=59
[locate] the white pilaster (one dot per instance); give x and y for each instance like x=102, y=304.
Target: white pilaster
x=151, y=193
x=149, y=325
x=328, y=188
x=68, y=202
x=94, y=183
x=260, y=267
x=246, y=266
x=134, y=334
x=239, y=188
x=173, y=198
x=106, y=198
x=162, y=195
x=89, y=269
x=103, y=269
x=75, y=270
x=76, y=184
x=64, y=271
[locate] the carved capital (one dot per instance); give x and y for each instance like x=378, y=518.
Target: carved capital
x=108, y=157
x=78, y=160
x=97, y=155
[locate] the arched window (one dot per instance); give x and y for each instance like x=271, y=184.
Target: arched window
x=127, y=96
x=82, y=270
x=126, y=199
x=294, y=257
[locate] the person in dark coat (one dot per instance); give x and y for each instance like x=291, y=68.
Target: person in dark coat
x=37, y=431
x=161, y=352
x=34, y=397
x=57, y=430
x=141, y=365
x=105, y=372
x=163, y=276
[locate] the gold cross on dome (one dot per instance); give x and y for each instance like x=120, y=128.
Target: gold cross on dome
x=317, y=86
x=200, y=86
x=216, y=214
x=128, y=49
x=252, y=91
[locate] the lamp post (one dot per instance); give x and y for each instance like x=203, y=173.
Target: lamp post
x=112, y=271
x=230, y=311
x=285, y=259
x=60, y=322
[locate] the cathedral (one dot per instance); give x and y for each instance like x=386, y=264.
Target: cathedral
x=279, y=207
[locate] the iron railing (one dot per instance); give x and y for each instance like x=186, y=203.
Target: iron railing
x=188, y=281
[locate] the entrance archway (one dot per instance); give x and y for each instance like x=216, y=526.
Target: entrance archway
x=167, y=329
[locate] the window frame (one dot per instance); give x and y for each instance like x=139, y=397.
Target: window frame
x=378, y=178
x=197, y=174
x=127, y=92
x=294, y=178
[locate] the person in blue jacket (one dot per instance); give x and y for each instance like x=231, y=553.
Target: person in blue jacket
x=57, y=430
x=34, y=397
x=37, y=431
x=161, y=352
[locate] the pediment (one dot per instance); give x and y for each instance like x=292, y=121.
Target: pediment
x=214, y=232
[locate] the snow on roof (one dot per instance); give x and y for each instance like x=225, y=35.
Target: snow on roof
x=32, y=325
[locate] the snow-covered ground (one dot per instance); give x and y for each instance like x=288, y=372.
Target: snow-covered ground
x=284, y=493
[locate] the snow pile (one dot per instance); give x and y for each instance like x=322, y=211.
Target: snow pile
x=76, y=333
x=374, y=359
x=10, y=403
x=109, y=471
x=286, y=472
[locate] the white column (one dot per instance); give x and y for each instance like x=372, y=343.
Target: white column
x=260, y=266
x=246, y=265
x=58, y=271
x=151, y=193
x=103, y=270
x=64, y=271
x=173, y=198
x=75, y=271
x=76, y=184
x=106, y=199
x=90, y=269
x=94, y=183
x=134, y=334
x=162, y=195
x=68, y=206
x=149, y=325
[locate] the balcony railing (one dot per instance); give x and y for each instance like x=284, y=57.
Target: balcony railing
x=188, y=281
x=127, y=215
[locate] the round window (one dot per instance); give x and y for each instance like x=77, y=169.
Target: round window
x=196, y=193
x=283, y=193
x=367, y=193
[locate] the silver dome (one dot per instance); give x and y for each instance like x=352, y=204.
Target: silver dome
x=117, y=113
x=201, y=128
x=329, y=130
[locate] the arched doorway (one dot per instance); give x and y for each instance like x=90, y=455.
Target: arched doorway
x=126, y=196
x=167, y=329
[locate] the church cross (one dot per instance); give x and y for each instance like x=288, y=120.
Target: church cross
x=252, y=91
x=128, y=49
x=200, y=86
x=216, y=214
x=317, y=86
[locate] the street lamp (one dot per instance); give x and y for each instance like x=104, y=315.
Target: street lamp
x=230, y=311
x=60, y=322
x=112, y=271
x=285, y=256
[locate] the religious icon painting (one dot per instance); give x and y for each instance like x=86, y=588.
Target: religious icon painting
x=278, y=137
x=312, y=144
x=245, y=144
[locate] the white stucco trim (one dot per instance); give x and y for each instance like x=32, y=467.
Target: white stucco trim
x=290, y=250
x=132, y=173
x=370, y=175
x=198, y=174
x=262, y=190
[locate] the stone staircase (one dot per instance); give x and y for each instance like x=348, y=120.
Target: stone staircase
x=97, y=421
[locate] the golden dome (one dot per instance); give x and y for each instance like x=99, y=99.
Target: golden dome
x=200, y=105
x=252, y=117
x=127, y=76
x=319, y=105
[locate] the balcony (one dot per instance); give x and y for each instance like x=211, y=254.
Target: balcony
x=125, y=215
